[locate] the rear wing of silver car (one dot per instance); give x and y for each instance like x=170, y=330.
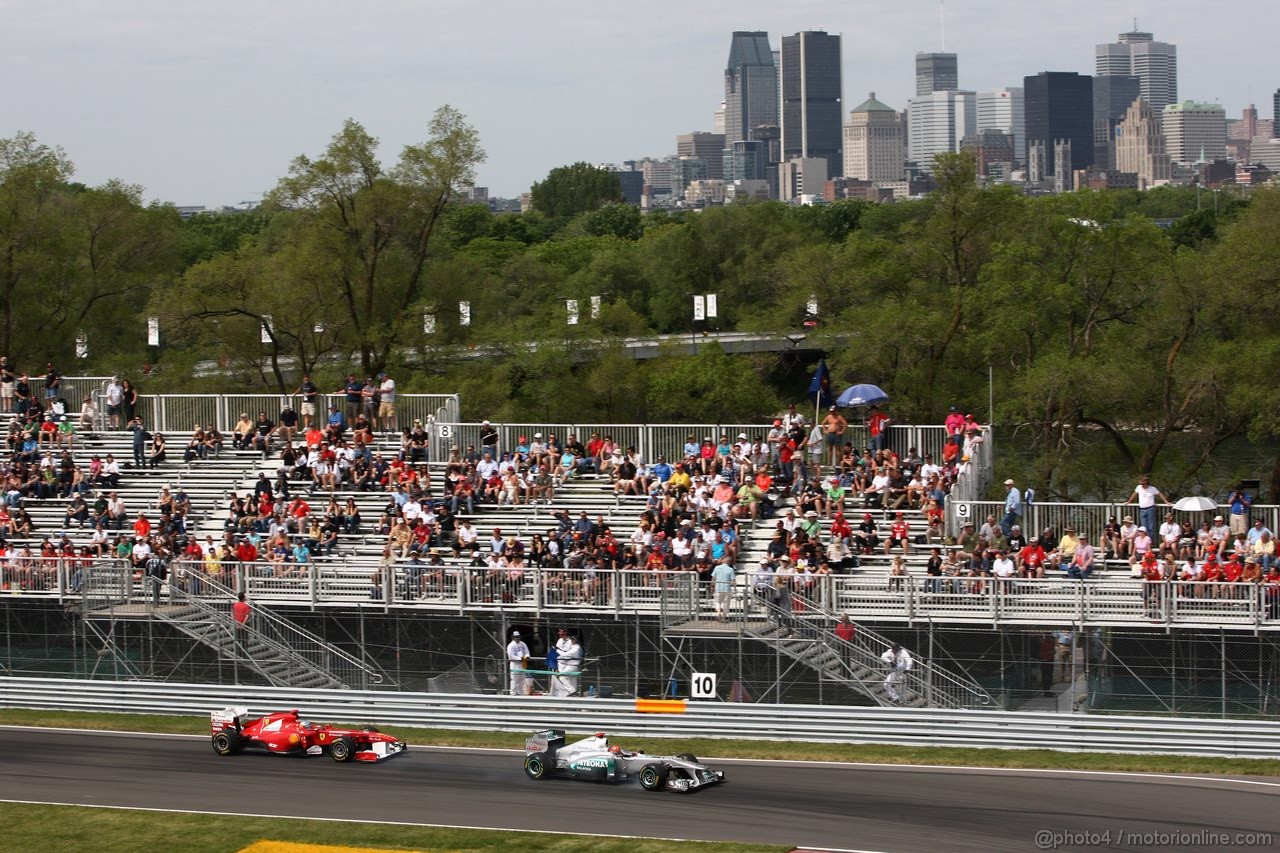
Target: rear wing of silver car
x=548, y=740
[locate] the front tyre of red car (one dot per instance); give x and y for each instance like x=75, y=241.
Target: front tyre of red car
x=342, y=749
x=226, y=743
x=535, y=768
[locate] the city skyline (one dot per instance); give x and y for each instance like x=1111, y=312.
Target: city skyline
x=202, y=106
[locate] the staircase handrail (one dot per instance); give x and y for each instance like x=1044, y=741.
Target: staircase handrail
x=847, y=654
x=284, y=633
x=923, y=678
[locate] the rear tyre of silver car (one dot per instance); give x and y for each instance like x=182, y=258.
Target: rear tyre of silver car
x=653, y=777
x=226, y=743
x=535, y=768
x=342, y=749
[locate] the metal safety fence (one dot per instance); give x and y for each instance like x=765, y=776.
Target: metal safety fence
x=457, y=588
x=708, y=719
x=1090, y=519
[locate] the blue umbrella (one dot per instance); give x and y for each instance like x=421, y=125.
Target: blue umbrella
x=861, y=395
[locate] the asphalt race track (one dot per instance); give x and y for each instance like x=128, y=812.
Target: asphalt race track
x=835, y=806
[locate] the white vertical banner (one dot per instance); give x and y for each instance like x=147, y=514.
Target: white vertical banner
x=153, y=331
x=82, y=344
x=595, y=308
x=571, y=311
x=711, y=305
x=811, y=307
x=266, y=328
x=464, y=313
x=428, y=323
x=699, y=308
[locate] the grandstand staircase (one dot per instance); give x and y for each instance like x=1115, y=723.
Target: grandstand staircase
x=280, y=652
x=806, y=635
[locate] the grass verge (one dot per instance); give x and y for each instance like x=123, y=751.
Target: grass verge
x=40, y=829
x=788, y=750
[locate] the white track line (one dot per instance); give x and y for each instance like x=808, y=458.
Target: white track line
x=953, y=768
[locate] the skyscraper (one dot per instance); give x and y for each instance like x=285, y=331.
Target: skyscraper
x=811, y=96
x=1154, y=63
x=1140, y=146
x=1004, y=110
x=750, y=86
x=1112, y=96
x=936, y=124
x=1060, y=107
x=1195, y=132
x=936, y=72
x=873, y=148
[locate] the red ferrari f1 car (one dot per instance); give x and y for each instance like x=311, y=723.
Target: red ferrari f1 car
x=284, y=733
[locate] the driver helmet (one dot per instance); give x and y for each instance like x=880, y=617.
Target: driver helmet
x=615, y=749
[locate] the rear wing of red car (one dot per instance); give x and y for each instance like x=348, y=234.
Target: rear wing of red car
x=227, y=718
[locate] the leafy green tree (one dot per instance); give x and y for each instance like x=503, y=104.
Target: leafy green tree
x=575, y=189
x=376, y=227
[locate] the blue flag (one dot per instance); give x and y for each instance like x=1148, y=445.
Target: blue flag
x=820, y=387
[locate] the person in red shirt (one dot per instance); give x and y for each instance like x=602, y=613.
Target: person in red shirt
x=840, y=528
x=246, y=552
x=142, y=527
x=1031, y=560
x=240, y=610
x=899, y=534
x=1272, y=592
x=845, y=629
x=877, y=428
x=1152, y=588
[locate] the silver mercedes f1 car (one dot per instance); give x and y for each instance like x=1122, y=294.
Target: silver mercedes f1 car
x=595, y=759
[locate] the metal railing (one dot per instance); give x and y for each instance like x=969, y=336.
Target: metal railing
x=181, y=412
x=710, y=719
x=861, y=657
x=1089, y=519
x=201, y=604
x=459, y=588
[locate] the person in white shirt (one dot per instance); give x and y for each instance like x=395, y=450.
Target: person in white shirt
x=115, y=399
x=1002, y=566
x=486, y=467
x=411, y=510
x=899, y=661
x=1170, y=533
x=518, y=660
x=568, y=660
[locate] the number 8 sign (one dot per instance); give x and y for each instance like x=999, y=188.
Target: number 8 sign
x=703, y=685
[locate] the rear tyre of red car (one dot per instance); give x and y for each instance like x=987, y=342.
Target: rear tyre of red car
x=653, y=777
x=535, y=768
x=226, y=743
x=342, y=749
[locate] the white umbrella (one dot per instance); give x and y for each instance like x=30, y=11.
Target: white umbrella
x=1196, y=503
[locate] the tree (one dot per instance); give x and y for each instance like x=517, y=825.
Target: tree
x=32, y=178
x=376, y=228
x=579, y=188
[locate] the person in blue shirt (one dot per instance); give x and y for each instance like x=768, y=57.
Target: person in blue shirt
x=661, y=470
x=692, y=448
x=722, y=576
x=336, y=419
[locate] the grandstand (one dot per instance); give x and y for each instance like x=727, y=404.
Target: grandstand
x=347, y=613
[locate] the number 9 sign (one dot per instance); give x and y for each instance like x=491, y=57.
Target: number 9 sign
x=962, y=510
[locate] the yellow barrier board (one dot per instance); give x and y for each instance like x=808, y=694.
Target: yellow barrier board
x=660, y=706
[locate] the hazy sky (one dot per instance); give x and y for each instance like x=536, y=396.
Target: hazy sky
x=207, y=103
